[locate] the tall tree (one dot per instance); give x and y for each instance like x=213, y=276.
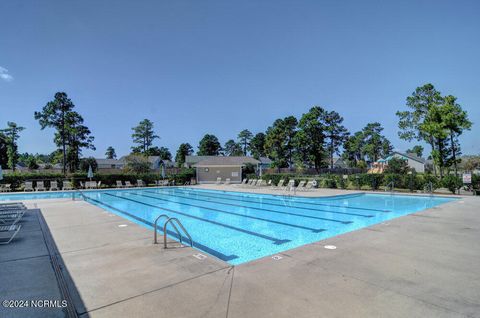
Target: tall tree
x=244, y=138
x=110, y=153
x=3, y=151
x=375, y=145
x=232, y=148
x=12, y=135
x=78, y=136
x=54, y=115
x=161, y=152
x=143, y=135
x=280, y=141
x=455, y=121
x=310, y=137
x=412, y=122
x=209, y=146
x=335, y=133
x=417, y=150
x=257, y=146
x=184, y=150
x=353, y=149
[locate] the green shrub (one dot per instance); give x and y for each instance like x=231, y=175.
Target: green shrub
x=452, y=183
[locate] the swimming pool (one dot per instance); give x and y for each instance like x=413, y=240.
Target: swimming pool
x=240, y=227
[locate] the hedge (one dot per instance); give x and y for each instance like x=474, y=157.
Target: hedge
x=366, y=181
x=108, y=179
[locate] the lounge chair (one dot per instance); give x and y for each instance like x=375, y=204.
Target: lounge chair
x=99, y=184
x=28, y=186
x=120, y=184
x=227, y=181
x=279, y=185
x=40, y=186
x=309, y=186
x=11, y=217
x=53, y=186
x=260, y=183
x=12, y=208
x=128, y=184
x=67, y=185
x=219, y=180
x=11, y=204
x=301, y=185
x=244, y=182
x=253, y=183
x=9, y=229
x=290, y=184
x=140, y=183
x=82, y=185
x=5, y=187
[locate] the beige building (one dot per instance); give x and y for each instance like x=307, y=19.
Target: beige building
x=211, y=168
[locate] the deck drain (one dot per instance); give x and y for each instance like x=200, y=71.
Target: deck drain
x=199, y=256
x=276, y=257
x=330, y=247
x=123, y=225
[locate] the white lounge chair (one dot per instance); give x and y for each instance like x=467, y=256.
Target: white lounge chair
x=28, y=186
x=11, y=217
x=290, y=185
x=40, y=186
x=219, y=180
x=12, y=230
x=99, y=184
x=227, y=181
x=119, y=184
x=140, y=183
x=309, y=186
x=67, y=185
x=260, y=183
x=244, y=182
x=279, y=185
x=128, y=184
x=301, y=185
x=53, y=186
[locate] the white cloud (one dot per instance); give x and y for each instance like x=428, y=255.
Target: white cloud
x=4, y=74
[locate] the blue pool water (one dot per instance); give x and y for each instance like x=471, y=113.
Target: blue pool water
x=240, y=227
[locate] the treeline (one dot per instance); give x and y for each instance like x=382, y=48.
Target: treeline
x=311, y=141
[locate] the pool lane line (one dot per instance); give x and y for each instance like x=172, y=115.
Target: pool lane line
x=233, y=213
x=277, y=200
x=248, y=207
x=266, y=237
x=280, y=205
x=200, y=246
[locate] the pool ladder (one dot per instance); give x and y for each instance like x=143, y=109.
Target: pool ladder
x=391, y=185
x=174, y=222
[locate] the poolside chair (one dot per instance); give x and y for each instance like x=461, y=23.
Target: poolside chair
x=67, y=185
x=227, y=181
x=11, y=205
x=309, y=186
x=82, y=185
x=219, y=180
x=279, y=184
x=260, y=183
x=53, y=186
x=5, y=187
x=13, y=208
x=301, y=185
x=290, y=186
x=244, y=182
x=128, y=184
x=140, y=183
x=99, y=184
x=11, y=217
x=40, y=186
x=119, y=184
x=28, y=186
x=253, y=183
x=9, y=229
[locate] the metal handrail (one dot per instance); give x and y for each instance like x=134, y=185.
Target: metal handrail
x=429, y=187
x=171, y=220
x=391, y=185
x=155, y=227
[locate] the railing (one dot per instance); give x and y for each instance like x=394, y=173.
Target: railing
x=390, y=186
x=174, y=222
x=429, y=188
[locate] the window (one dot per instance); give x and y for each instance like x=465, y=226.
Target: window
x=234, y=173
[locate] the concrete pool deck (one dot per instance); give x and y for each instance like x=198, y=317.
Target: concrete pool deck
x=425, y=264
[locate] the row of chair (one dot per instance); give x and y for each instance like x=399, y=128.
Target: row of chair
x=256, y=183
x=40, y=186
x=10, y=215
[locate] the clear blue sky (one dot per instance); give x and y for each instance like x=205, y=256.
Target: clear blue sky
x=196, y=67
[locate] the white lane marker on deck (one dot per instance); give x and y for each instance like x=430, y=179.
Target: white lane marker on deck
x=276, y=257
x=330, y=247
x=199, y=256
x=123, y=225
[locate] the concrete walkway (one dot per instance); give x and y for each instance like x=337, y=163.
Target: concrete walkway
x=422, y=265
